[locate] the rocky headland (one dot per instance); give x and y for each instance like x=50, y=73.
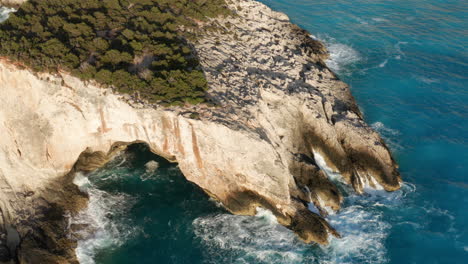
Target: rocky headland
x=277, y=111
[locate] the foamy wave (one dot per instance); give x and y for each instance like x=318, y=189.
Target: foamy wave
x=380, y=197
x=101, y=230
x=332, y=175
x=249, y=239
x=363, y=236
x=391, y=136
x=260, y=239
x=371, y=185
x=381, y=128
x=363, y=227
x=5, y=12
x=341, y=56
x=381, y=65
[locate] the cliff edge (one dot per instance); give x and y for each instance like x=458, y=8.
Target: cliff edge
x=282, y=124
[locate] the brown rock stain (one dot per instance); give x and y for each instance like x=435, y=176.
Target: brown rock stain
x=77, y=108
x=180, y=147
x=165, y=145
x=196, y=150
x=103, y=129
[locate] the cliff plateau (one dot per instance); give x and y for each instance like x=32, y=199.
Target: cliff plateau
x=278, y=111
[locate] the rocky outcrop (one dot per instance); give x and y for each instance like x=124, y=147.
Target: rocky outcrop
x=278, y=111
x=12, y=3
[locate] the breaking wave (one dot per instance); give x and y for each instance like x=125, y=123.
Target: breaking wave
x=249, y=239
x=224, y=238
x=341, y=57
x=364, y=232
x=332, y=175
x=97, y=225
x=260, y=239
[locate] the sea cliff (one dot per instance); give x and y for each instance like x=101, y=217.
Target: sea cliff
x=279, y=115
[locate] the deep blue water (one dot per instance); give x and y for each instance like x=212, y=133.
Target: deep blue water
x=409, y=75
x=407, y=65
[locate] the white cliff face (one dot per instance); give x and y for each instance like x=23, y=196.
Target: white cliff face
x=49, y=122
x=277, y=105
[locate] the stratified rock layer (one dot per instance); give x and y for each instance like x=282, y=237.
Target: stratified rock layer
x=277, y=107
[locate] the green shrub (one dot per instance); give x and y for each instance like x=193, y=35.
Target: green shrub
x=134, y=45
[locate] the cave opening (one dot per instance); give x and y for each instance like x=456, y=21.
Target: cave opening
x=141, y=207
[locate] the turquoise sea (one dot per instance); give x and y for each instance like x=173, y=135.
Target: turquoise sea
x=407, y=65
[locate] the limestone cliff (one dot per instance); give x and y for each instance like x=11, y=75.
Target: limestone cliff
x=278, y=109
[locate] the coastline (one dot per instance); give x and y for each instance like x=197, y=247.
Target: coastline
x=250, y=92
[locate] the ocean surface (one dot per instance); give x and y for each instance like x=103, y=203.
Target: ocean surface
x=407, y=65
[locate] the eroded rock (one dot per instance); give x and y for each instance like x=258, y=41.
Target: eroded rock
x=276, y=105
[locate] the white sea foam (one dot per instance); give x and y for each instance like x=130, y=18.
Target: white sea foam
x=5, y=12
x=381, y=65
x=266, y=215
x=322, y=205
x=398, y=49
x=341, y=56
x=381, y=128
x=102, y=230
x=313, y=37
x=249, y=239
x=363, y=236
x=260, y=239
x=82, y=182
x=363, y=227
x=371, y=185
x=332, y=175
x=427, y=80
x=391, y=136
x=379, y=19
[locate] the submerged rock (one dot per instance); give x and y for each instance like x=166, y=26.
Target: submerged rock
x=151, y=166
x=277, y=104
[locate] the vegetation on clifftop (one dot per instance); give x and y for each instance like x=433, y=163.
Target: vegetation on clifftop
x=136, y=46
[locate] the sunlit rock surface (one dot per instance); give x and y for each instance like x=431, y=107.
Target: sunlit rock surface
x=276, y=104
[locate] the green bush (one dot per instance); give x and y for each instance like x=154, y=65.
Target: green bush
x=134, y=45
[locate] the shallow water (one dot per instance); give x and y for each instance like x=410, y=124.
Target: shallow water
x=406, y=62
